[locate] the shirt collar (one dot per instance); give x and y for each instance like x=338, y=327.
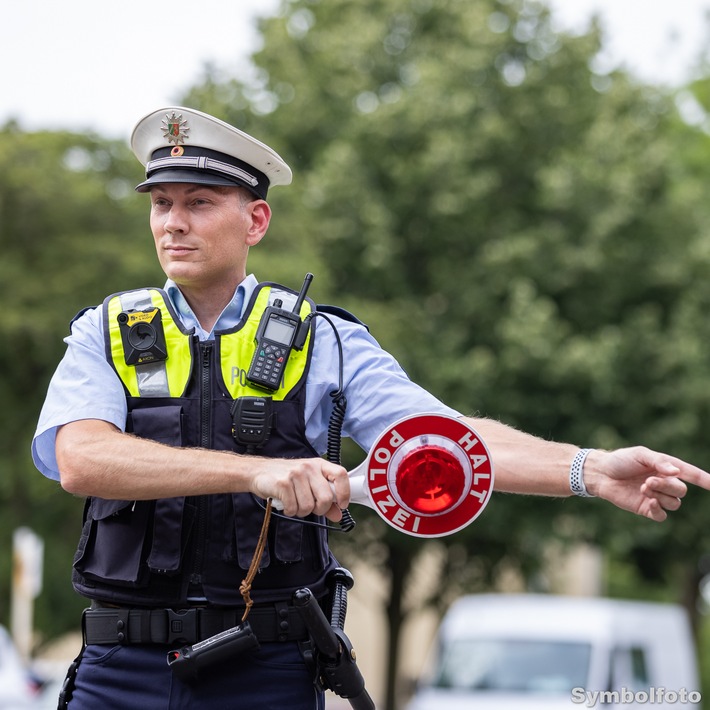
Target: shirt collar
x=230, y=316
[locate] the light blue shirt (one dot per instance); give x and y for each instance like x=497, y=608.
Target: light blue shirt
x=378, y=392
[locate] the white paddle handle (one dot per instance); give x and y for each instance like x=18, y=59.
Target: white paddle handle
x=358, y=488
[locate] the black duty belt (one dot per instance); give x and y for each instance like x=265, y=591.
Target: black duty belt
x=109, y=625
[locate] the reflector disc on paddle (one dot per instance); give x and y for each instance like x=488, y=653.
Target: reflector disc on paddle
x=429, y=480
x=429, y=475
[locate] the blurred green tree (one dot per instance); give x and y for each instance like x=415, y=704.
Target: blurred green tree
x=524, y=233
x=69, y=237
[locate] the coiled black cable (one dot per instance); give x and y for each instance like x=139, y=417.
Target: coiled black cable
x=335, y=422
x=335, y=428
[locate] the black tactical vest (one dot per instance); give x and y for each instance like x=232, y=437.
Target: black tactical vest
x=159, y=553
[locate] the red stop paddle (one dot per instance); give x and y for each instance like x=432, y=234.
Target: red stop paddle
x=427, y=475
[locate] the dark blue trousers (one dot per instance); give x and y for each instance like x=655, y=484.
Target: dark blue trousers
x=139, y=678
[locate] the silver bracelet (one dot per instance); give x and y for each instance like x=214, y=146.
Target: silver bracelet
x=576, y=474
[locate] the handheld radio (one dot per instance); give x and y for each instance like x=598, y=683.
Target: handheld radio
x=279, y=332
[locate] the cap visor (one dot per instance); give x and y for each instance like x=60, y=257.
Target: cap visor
x=197, y=177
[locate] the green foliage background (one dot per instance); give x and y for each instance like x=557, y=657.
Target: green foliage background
x=528, y=236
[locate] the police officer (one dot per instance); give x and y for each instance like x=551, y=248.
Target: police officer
x=152, y=415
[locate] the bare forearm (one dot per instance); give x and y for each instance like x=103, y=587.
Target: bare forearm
x=523, y=463
x=96, y=459
x=636, y=479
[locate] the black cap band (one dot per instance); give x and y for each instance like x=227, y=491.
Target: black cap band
x=202, y=166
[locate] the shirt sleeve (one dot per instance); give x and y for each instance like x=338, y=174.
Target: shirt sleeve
x=377, y=389
x=84, y=386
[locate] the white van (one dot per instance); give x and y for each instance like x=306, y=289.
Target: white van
x=16, y=690
x=543, y=652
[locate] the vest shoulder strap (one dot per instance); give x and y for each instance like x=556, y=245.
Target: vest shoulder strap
x=341, y=313
x=79, y=315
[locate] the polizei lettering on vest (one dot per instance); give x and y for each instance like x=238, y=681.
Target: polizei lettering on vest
x=239, y=374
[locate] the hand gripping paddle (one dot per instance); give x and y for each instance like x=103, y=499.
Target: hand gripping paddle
x=427, y=475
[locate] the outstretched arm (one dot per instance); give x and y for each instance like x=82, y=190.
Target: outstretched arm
x=636, y=479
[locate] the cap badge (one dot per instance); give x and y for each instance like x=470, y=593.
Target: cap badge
x=175, y=129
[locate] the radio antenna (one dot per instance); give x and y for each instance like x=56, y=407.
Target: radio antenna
x=302, y=294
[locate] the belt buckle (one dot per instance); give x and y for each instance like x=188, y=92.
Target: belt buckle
x=182, y=626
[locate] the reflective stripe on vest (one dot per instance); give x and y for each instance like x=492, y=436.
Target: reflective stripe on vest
x=167, y=378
